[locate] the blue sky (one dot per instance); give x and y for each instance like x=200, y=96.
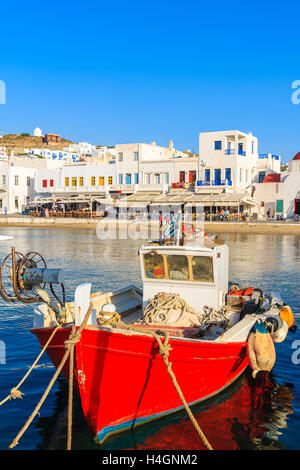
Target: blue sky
x=120, y=72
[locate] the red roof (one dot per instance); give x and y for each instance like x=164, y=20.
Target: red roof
x=272, y=178
x=297, y=156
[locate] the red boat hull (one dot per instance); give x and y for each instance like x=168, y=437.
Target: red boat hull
x=123, y=380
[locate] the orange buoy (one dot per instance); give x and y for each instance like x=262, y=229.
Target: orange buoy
x=287, y=315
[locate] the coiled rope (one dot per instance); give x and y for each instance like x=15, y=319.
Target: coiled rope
x=115, y=321
x=170, y=309
x=163, y=305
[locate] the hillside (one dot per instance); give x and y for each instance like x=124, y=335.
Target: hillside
x=19, y=142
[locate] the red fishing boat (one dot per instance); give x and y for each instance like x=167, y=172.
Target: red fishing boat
x=123, y=380
x=186, y=302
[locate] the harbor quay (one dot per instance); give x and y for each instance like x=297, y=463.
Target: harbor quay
x=147, y=228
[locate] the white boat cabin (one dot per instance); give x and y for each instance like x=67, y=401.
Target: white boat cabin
x=198, y=274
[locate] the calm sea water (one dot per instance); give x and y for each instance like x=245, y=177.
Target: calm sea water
x=245, y=416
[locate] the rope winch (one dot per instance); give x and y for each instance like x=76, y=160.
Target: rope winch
x=24, y=278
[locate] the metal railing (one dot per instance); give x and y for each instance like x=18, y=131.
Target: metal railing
x=214, y=183
x=232, y=152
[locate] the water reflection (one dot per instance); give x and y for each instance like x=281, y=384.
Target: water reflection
x=248, y=415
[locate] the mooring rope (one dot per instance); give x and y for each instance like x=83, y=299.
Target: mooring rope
x=164, y=349
x=15, y=392
x=69, y=345
x=71, y=342
x=113, y=321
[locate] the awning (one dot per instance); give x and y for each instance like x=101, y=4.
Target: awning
x=170, y=204
x=142, y=197
x=105, y=202
x=172, y=199
x=57, y=200
x=227, y=199
x=131, y=204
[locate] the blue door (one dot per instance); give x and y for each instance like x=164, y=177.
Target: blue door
x=207, y=176
x=217, y=176
x=128, y=178
x=228, y=174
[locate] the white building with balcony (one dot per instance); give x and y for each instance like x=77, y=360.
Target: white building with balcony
x=230, y=159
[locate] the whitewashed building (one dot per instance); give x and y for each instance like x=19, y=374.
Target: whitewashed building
x=59, y=155
x=142, y=163
x=280, y=192
x=266, y=164
x=80, y=178
x=3, y=153
x=16, y=187
x=104, y=153
x=230, y=159
x=82, y=148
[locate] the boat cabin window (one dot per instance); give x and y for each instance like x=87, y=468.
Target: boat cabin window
x=178, y=267
x=154, y=266
x=202, y=267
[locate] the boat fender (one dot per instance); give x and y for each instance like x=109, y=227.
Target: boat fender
x=260, y=349
x=273, y=323
x=281, y=333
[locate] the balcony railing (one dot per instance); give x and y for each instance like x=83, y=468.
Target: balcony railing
x=232, y=152
x=214, y=183
x=266, y=155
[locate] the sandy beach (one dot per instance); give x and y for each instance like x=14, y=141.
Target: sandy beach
x=286, y=228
